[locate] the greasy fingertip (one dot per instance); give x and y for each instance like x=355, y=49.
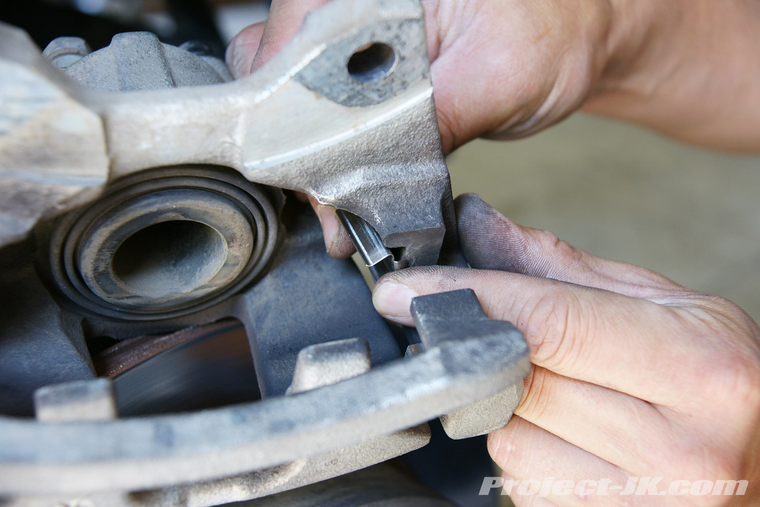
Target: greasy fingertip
x=329, y=223
x=491, y=241
x=394, y=292
x=341, y=247
x=337, y=241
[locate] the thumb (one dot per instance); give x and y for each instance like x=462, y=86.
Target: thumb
x=285, y=18
x=256, y=44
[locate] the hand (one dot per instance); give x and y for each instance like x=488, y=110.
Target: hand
x=500, y=69
x=633, y=374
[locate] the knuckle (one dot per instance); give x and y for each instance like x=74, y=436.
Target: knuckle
x=555, y=327
x=534, y=405
x=742, y=378
x=698, y=461
x=718, y=468
x=559, y=248
x=738, y=390
x=732, y=380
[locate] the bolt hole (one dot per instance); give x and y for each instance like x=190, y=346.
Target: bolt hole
x=371, y=62
x=169, y=258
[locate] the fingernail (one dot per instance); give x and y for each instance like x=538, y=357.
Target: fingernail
x=330, y=225
x=393, y=299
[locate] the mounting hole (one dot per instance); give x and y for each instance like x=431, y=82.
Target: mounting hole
x=371, y=62
x=171, y=257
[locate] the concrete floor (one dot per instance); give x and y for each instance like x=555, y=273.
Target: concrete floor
x=625, y=193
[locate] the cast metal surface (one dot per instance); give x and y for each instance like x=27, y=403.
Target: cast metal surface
x=82, y=400
x=157, y=451
x=362, y=141
x=382, y=486
x=458, y=315
x=140, y=193
x=325, y=364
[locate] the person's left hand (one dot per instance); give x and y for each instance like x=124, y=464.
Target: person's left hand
x=500, y=68
x=633, y=374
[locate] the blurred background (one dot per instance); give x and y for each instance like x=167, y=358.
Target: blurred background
x=625, y=193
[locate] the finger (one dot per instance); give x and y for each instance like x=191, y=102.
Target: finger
x=607, y=424
x=285, y=19
x=626, y=344
x=491, y=241
x=243, y=48
x=337, y=241
x=539, y=460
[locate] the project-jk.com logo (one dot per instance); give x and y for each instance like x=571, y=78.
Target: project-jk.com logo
x=634, y=486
